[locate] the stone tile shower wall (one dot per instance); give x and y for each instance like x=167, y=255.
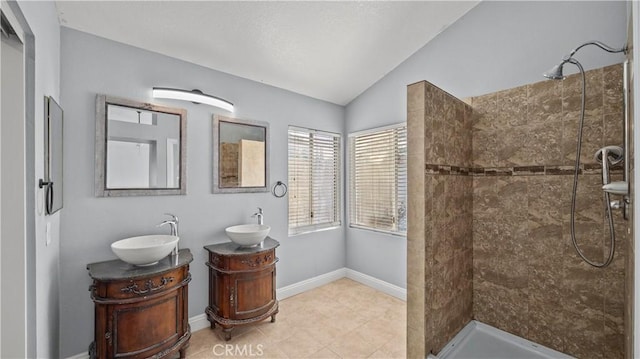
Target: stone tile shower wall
x=527, y=278
x=440, y=257
x=512, y=190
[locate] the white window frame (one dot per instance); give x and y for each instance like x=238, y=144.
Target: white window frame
x=336, y=220
x=398, y=188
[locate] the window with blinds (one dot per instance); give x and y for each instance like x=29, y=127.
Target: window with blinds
x=314, y=180
x=378, y=179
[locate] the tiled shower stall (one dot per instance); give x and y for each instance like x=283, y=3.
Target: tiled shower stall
x=490, y=182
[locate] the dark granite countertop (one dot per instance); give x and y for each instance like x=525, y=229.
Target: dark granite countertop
x=119, y=270
x=230, y=248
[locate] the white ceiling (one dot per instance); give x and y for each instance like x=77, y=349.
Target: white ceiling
x=331, y=51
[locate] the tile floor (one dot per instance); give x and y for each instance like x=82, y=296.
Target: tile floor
x=343, y=319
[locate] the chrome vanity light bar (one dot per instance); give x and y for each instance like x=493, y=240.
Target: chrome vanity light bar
x=195, y=96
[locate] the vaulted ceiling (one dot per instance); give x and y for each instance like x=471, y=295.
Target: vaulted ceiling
x=331, y=51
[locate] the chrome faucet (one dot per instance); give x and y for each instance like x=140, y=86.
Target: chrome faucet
x=260, y=216
x=173, y=224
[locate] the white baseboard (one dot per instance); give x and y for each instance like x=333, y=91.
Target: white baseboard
x=311, y=283
x=199, y=322
x=80, y=356
x=377, y=284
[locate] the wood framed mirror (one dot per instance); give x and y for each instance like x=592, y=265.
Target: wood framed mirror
x=140, y=149
x=240, y=155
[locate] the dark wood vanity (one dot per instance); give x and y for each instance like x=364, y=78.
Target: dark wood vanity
x=242, y=284
x=141, y=312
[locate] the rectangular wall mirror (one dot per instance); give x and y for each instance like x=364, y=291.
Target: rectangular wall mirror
x=140, y=148
x=52, y=182
x=240, y=155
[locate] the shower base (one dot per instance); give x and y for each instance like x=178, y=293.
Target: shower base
x=481, y=341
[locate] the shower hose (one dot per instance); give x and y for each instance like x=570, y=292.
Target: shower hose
x=607, y=203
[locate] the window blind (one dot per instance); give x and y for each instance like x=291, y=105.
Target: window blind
x=314, y=180
x=378, y=179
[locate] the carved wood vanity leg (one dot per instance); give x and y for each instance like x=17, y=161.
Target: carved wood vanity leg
x=183, y=353
x=273, y=318
x=227, y=333
x=213, y=325
x=92, y=350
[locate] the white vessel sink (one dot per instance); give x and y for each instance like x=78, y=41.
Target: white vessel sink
x=144, y=250
x=248, y=234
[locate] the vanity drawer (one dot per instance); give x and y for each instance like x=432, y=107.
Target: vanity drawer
x=252, y=261
x=135, y=288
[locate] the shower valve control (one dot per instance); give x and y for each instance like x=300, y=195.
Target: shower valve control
x=616, y=204
x=623, y=205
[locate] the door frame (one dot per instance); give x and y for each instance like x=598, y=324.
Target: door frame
x=25, y=242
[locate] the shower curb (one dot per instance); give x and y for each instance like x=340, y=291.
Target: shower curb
x=450, y=349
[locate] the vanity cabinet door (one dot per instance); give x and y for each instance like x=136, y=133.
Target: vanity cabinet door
x=253, y=293
x=139, y=330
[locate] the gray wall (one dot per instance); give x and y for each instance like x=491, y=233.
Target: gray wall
x=495, y=46
x=42, y=18
x=91, y=65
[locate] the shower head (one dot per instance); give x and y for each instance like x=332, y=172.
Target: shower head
x=555, y=73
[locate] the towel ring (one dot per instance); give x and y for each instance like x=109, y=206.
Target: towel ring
x=283, y=191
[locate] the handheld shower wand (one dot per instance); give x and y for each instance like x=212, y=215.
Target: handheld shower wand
x=608, y=156
x=555, y=73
